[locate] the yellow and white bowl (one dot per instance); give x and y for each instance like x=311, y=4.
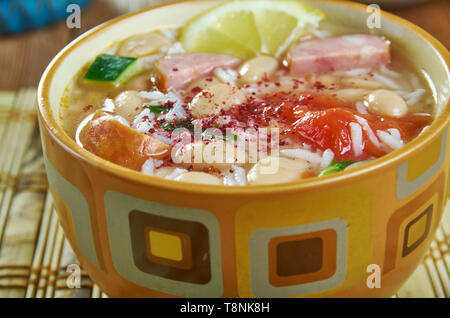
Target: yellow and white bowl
x=142, y=236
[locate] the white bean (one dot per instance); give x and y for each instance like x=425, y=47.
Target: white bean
x=272, y=170
x=213, y=99
x=143, y=44
x=199, y=177
x=203, y=83
x=163, y=172
x=386, y=103
x=215, y=153
x=257, y=68
x=128, y=104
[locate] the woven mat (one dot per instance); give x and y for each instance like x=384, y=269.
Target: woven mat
x=34, y=253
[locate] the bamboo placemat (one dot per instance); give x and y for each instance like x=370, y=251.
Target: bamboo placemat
x=34, y=253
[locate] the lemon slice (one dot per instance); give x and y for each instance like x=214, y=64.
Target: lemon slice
x=249, y=28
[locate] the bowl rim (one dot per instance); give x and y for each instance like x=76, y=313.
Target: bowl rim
x=69, y=145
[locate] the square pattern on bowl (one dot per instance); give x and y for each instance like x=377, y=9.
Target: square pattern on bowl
x=416, y=231
x=163, y=247
x=170, y=248
x=302, y=258
x=298, y=260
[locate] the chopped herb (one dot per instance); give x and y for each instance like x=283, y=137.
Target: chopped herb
x=168, y=126
x=189, y=125
x=157, y=109
x=336, y=167
x=172, y=125
x=208, y=134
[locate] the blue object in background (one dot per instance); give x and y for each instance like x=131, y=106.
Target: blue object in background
x=20, y=15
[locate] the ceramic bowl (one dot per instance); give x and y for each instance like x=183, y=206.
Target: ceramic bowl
x=142, y=236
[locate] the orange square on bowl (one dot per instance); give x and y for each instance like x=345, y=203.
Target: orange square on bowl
x=302, y=258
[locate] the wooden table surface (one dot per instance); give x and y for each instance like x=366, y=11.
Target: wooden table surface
x=24, y=57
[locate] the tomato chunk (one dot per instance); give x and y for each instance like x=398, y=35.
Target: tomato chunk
x=326, y=129
x=113, y=141
x=324, y=123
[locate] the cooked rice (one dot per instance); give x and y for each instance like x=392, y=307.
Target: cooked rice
x=149, y=166
x=177, y=111
x=365, y=124
x=108, y=105
x=327, y=158
x=121, y=120
x=357, y=138
x=391, y=141
x=414, y=97
x=144, y=121
x=384, y=69
x=361, y=108
x=235, y=178
x=163, y=136
x=386, y=81
x=227, y=76
x=304, y=154
x=223, y=120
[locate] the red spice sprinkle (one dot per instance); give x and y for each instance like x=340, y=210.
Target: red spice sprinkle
x=318, y=85
x=175, y=69
x=87, y=108
x=196, y=89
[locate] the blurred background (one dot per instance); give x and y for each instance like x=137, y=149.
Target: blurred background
x=34, y=254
